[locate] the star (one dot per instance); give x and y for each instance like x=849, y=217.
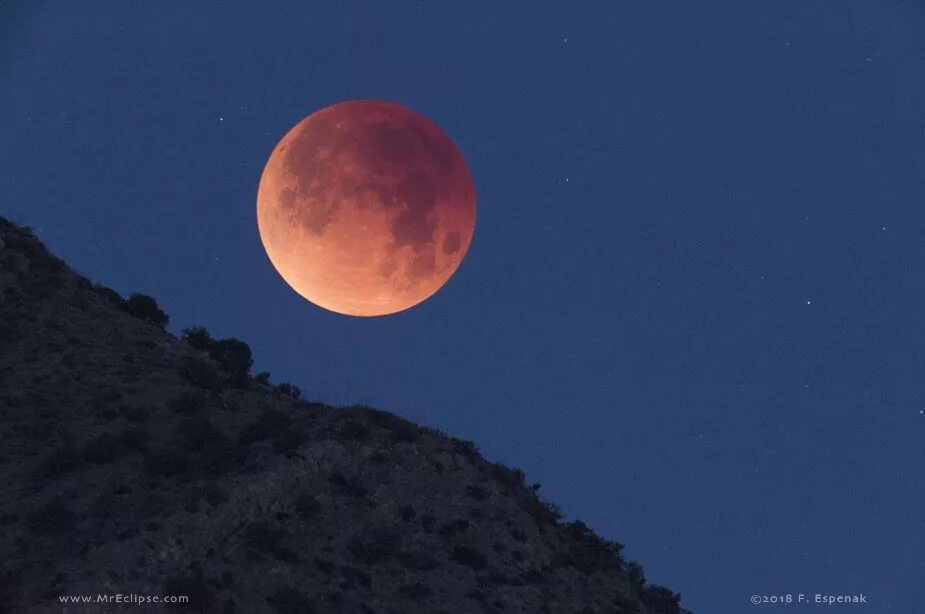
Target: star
x=809, y=302
x=221, y=118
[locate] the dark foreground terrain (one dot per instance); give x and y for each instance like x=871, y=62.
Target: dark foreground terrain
x=134, y=462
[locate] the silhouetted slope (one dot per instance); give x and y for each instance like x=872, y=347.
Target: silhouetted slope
x=133, y=463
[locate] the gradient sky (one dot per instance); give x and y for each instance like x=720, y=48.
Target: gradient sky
x=693, y=306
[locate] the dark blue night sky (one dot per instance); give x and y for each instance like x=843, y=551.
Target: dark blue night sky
x=694, y=306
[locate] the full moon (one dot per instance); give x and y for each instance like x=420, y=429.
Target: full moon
x=366, y=208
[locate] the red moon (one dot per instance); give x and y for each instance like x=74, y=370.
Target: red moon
x=366, y=208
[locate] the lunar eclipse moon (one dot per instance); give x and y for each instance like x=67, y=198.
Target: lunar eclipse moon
x=366, y=208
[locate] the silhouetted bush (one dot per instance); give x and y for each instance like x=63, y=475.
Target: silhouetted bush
x=400, y=430
x=289, y=391
x=466, y=448
x=198, y=338
x=233, y=354
x=635, y=574
x=263, y=378
x=510, y=478
x=470, y=557
x=201, y=373
x=145, y=308
x=109, y=295
x=660, y=600
x=591, y=552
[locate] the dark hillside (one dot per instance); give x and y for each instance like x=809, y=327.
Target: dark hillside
x=134, y=462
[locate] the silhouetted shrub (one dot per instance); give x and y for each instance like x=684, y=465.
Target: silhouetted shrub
x=189, y=402
x=198, y=338
x=104, y=449
x=145, y=308
x=660, y=600
x=400, y=430
x=201, y=373
x=263, y=378
x=288, y=600
x=109, y=295
x=290, y=391
x=470, y=557
x=240, y=380
x=233, y=354
x=635, y=574
x=590, y=551
x=466, y=448
x=510, y=478
x=544, y=511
